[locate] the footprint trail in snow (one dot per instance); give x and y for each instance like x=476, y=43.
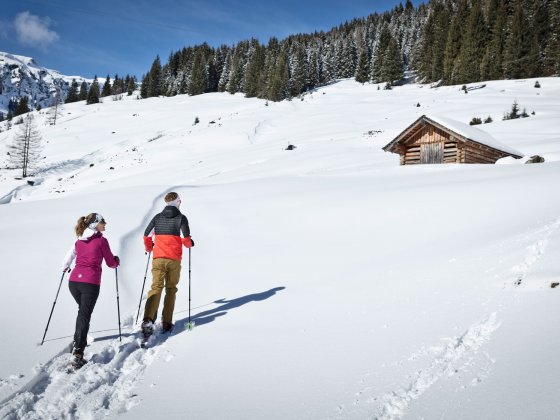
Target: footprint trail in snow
x=103, y=387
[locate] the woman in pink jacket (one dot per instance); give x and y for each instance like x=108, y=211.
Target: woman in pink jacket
x=89, y=251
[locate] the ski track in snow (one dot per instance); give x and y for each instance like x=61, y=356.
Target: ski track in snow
x=103, y=387
x=456, y=356
x=535, y=251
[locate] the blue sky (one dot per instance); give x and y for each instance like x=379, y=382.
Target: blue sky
x=123, y=36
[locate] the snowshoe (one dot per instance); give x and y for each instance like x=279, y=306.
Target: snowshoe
x=147, y=331
x=77, y=363
x=167, y=327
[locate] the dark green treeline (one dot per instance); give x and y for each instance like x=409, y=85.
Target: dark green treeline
x=452, y=41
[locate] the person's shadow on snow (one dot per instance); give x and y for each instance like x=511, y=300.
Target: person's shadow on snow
x=206, y=317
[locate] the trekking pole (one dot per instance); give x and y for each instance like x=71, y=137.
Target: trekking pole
x=118, y=305
x=190, y=324
x=54, y=303
x=143, y=284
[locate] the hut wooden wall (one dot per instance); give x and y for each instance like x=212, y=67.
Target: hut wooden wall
x=455, y=149
x=429, y=135
x=473, y=153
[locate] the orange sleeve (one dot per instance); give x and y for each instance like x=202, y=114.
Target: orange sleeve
x=148, y=244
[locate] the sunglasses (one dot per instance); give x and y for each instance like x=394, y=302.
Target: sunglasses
x=96, y=220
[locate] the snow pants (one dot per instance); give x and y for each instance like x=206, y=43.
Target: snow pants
x=85, y=295
x=165, y=274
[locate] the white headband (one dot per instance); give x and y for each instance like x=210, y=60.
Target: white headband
x=98, y=219
x=175, y=203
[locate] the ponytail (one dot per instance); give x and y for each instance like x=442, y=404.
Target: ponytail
x=83, y=223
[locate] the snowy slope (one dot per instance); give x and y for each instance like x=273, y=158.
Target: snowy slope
x=327, y=281
x=21, y=76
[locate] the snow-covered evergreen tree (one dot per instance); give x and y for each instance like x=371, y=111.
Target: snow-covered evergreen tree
x=362, y=71
x=199, y=76
x=72, y=95
x=93, y=92
x=106, y=91
x=83, y=91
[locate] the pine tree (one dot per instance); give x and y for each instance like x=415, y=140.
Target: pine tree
x=279, y=83
x=392, y=67
x=346, y=58
x=255, y=67
x=144, y=86
x=72, y=95
x=224, y=77
x=541, y=31
x=214, y=69
x=131, y=85
x=454, y=42
x=329, y=62
x=440, y=40
x=118, y=85
x=491, y=66
x=382, y=44
x=106, y=91
x=22, y=106
x=518, y=45
x=93, y=93
x=468, y=62
x=26, y=147
x=298, y=75
x=315, y=69
x=534, y=65
x=551, y=59
x=154, y=79
x=362, y=71
x=426, y=52
x=235, y=83
x=269, y=68
x=83, y=91
x=199, y=77
x=12, y=105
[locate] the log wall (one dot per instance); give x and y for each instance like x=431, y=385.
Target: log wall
x=474, y=153
x=430, y=135
x=455, y=150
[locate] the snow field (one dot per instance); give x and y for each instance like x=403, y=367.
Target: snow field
x=328, y=282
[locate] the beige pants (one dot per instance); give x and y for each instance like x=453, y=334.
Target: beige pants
x=165, y=273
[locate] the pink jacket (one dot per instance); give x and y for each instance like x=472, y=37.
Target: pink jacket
x=89, y=251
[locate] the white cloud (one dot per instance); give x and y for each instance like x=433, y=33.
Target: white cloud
x=33, y=30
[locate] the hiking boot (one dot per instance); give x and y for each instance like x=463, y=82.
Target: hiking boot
x=167, y=327
x=147, y=328
x=78, y=361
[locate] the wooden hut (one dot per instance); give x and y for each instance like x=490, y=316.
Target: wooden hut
x=442, y=140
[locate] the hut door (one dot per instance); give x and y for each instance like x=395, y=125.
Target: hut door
x=431, y=153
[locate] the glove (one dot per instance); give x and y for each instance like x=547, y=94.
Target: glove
x=117, y=259
x=188, y=242
x=66, y=269
x=148, y=244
